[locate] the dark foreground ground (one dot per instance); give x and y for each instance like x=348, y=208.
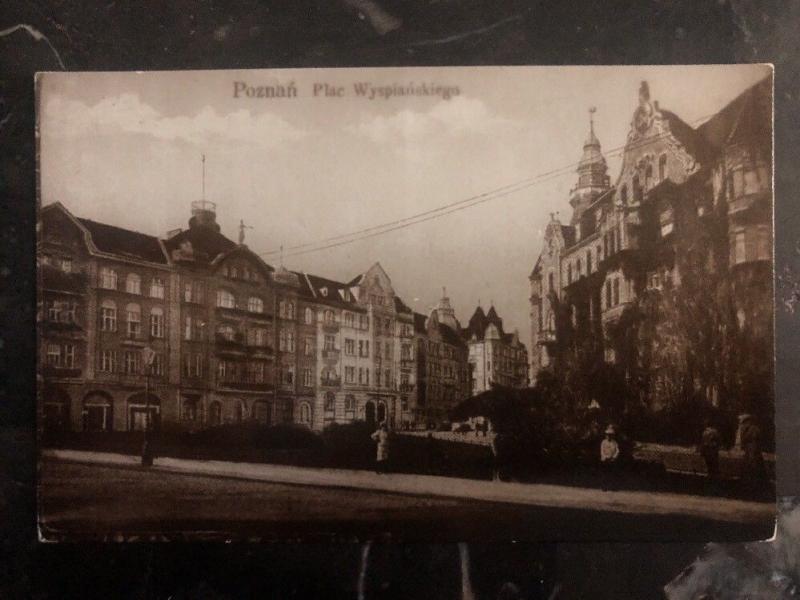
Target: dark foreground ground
x=97, y=502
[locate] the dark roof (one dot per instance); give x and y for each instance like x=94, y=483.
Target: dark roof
x=450, y=336
x=124, y=242
x=686, y=135
x=401, y=306
x=747, y=116
x=333, y=298
x=479, y=321
x=419, y=322
x=537, y=268
x=206, y=242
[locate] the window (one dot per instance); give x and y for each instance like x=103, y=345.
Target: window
x=666, y=220
x=569, y=273
x=348, y=319
x=286, y=309
x=255, y=305
x=363, y=321
x=764, y=246
x=305, y=413
x=226, y=333
x=378, y=377
x=350, y=347
x=387, y=376
x=588, y=262
x=53, y=354
x=350, y=405
x=366, y=376
x=108, y=278
x=637, y=190
x=608, y=294
x=257, y=336
x=189, y=408
x=330, y=402
x=133, y=362
x=360, y=375
x=308, y=316
x=662, y=167
x=308, y=378
x=193, y=365
x=616, y=292
x=288, y=375
x=193, y=292
x=578, y=268
x=133, y=284
x=157, y=322
x=225, y=299
x=739, y=247
x=61, y=355
x=329, y=316
x=133, y=316
x=157, y=288
x=308, y=346
x=405, y=352
x=238, y=406
x=648, y=176
x=108, y=361
x=330, y=342
x=388, y=350
x=349, y=374
x=157, y=368
x=286, y=341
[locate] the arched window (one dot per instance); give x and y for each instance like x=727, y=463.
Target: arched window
x=108, y=278
x=133, y=317
x=133, y=284
x=290, y=310
x=648, y=176
x=225, y=299
x=262, y=412
x=157, y=322
x=329, y=316
x=157, y=288
x=662, y=167
x=350, y=405
x=637, y=190
x=305, y=413
x=108, y=315
x=255, y=304
x=308, y=316
x=215, y=414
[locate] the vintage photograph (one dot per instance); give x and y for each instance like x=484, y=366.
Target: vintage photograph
x=485, y=303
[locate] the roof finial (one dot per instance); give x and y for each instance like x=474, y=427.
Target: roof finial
x=444, y=292
x=204, y=178
x=242, y=227
x=592, y=110
x=281, y=255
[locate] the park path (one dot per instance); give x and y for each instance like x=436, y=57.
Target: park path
x=621, y=501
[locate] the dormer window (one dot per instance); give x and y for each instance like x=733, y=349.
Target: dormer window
x=324, y=292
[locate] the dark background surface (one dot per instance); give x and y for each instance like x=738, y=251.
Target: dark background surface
x=260, y=33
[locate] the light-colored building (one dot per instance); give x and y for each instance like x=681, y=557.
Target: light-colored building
x=495, y=357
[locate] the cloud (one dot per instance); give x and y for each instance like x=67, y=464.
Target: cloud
x=455, y=117
x=127, y=114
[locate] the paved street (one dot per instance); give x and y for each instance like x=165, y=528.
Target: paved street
x=107, y=501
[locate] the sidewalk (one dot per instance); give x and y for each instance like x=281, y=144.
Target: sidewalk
x=632, y=502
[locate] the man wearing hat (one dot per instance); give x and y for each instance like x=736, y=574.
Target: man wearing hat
x=609, y=452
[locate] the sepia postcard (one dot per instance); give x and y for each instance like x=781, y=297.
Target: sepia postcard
x=485, y=303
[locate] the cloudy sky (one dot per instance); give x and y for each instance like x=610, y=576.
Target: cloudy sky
x=125, y=148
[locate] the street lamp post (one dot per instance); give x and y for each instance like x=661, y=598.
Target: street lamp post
x=147, y=450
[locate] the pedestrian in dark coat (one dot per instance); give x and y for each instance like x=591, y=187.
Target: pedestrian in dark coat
x=753, y=466
x=710, y=443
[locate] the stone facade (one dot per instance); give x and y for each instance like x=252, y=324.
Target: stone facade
x=495, y=357
x=234, y=339
x=689, y=210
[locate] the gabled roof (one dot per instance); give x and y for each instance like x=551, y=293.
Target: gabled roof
x=124, y=242
x=327, y=291
x=449, y=336
x=401, y=306
x=419, y=323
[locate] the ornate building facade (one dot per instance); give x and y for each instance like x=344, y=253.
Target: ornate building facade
x=199, y=331
x=495, y=357
x=667, y=271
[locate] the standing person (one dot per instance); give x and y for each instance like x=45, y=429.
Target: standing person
x=754, y=471
x=495, y=446
x=710, y=443
x=381, y=436
x=609, y=454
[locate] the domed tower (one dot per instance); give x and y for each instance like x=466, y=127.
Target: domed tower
x=592, y=172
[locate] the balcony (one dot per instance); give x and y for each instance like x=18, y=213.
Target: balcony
x=331, y=382
x=246, y=386
x=330, y=354
x=52, y=326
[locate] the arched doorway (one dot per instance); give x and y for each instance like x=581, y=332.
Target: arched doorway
x=215, y=414
x=142, y=409
x=305, y=414
x=98, y=412
x=239, y=411
x=56, y=409
x=381, y=412
x=369, y=412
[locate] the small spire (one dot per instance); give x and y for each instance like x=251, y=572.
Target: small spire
x=203, y=197
x=281, y=255
x=592, y=110
x=444, y=292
